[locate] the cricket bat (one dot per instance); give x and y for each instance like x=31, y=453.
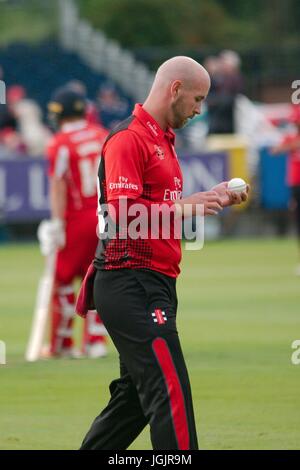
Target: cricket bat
x=42, y=306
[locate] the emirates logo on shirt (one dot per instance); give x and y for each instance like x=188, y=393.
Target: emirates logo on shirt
x=159, y=152
x=152, y=128
x=177, y=182
x=172, y=195
x=123, y=183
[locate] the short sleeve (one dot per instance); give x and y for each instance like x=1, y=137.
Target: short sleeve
x=58, y=157
x=124, y=166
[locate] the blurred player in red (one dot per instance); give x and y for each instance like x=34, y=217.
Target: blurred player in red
x=73, y=155
x=291, y=145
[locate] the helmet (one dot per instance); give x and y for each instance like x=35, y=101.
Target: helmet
x=65, y=103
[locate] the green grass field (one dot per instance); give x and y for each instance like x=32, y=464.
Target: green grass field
x=239, y=313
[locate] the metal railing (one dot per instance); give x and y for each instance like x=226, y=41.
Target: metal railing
x=102, y=54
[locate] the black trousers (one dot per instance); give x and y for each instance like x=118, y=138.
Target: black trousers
x=138, y=308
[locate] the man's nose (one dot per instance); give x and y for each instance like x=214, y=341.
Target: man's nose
x=197, y=109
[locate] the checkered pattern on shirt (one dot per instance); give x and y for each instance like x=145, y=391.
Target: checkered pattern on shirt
x=117, y=253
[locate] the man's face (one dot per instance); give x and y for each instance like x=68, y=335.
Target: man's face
x=187, y=103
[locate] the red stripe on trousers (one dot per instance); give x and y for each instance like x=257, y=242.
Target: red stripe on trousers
x=165, y=360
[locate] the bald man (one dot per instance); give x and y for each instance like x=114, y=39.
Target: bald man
x=134, y=277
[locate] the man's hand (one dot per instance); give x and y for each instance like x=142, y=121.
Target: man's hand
x=51, y=235
x=230, y=198
x=204, y=203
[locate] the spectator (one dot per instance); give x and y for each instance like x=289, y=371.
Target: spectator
x=226, y=84
x=28, y=114
x=10, y=139
x=232, y=81
x=11, y=143
x=291, y=145
x=112, y=108
x=213, y=66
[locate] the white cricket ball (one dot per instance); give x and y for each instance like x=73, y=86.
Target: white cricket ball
x=238, y=185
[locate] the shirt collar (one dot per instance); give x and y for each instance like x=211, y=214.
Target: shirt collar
x=153, y=127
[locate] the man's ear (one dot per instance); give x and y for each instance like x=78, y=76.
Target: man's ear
x=175, y=88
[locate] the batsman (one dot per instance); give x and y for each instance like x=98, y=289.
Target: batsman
x=73, y=156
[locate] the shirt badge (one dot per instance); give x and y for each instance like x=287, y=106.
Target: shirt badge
x=159, y=316
x=159, y=152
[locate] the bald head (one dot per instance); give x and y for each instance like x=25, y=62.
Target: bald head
x=180, y=85
x=182, y=68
